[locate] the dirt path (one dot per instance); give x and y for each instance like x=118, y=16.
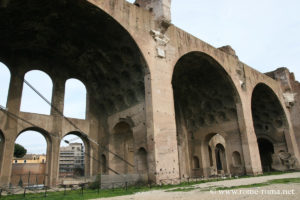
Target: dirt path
x=203, y=192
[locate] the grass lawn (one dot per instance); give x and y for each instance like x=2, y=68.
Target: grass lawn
x=270, y=182
x=93, y=194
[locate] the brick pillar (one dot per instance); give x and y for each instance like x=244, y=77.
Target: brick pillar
x=56, y=132
x=249, y=140
x=161, y=127
x=10, y=129
x=160, y=8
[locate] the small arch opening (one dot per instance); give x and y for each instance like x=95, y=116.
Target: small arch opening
x=31, y=101
x=75, y=99
x=72, y=156
x=236, y=157
x=196, y=163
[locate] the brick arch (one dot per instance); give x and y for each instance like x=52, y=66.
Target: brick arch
x=42, y=131
x=269, y=120
x=41, y=173
x=41, y=102
x=87, y=150
x=206, y=99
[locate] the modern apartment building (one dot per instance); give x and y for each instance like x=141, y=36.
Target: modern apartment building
x=71, y=160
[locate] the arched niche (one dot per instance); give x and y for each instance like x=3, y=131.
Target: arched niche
x=236, y=157
x=104, y=169
x=123, y=147
x=142, y=163
x=216, y=156
x=196, y=162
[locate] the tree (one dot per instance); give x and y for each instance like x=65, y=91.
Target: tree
x=19, y=151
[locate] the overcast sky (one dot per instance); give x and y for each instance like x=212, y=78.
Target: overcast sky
x=264, y=33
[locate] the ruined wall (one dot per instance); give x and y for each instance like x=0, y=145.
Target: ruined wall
x=127, y=59
x=291, y=90
x=32, y=172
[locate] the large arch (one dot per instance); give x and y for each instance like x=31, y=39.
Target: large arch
x=76, y=39
x=102, y=54
x=205, y=99
x=270, y=124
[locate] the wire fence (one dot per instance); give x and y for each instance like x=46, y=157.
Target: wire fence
x=30, y=187
x=98, y=188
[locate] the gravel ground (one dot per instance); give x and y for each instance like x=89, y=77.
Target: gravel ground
x=202, y=191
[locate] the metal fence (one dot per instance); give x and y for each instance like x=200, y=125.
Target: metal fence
x=35, y=185
x=28, y=179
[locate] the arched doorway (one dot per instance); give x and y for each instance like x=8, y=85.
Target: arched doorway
x=270, y=124
x=205, y=99
x=220, y=157
x=217, y=154
x=73, y=156
x=103, y=164
x=30, y=164
x=266, y=150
